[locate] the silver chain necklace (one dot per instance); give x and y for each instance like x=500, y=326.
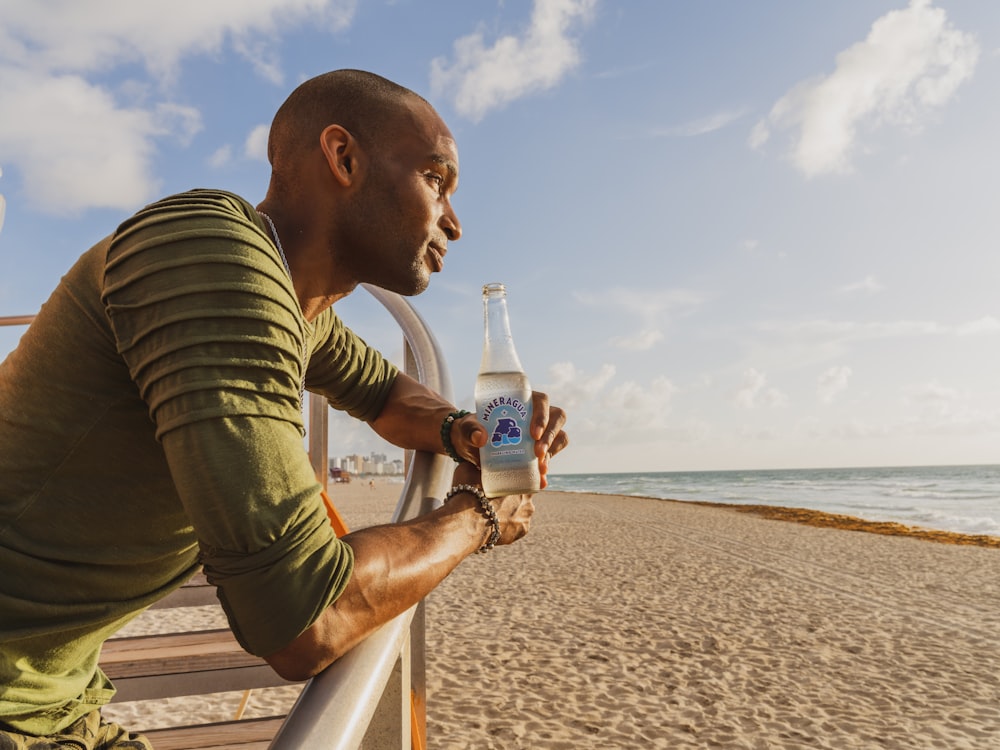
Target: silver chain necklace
x=288, y=270
x=277, y=241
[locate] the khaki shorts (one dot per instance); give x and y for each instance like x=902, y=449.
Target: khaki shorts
x=89, y=732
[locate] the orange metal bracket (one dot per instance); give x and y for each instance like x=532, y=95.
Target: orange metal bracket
x=336, y=520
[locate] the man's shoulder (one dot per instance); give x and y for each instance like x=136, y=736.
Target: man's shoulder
x=198, y=202
x=198, y=237
x=195, y=221
x=222, y=200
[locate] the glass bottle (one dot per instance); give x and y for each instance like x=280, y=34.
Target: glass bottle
x=503, y=405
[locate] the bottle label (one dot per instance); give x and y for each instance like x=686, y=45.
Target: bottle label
x=506, y=420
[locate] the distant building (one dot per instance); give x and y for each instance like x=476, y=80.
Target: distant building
x=374, y=464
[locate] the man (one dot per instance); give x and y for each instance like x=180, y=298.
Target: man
x=150, y=418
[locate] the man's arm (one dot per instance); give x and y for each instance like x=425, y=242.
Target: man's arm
x=395, y=567
x=412, y=416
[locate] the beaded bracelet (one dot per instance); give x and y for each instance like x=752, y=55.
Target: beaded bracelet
x=486, y=507
x=446, y=433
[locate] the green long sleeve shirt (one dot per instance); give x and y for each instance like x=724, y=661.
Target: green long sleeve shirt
x=150, y=422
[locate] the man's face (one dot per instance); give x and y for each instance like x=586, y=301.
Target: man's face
x=404, y=218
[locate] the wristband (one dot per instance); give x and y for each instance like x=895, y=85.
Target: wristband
x=446, y=433
x=486, y=507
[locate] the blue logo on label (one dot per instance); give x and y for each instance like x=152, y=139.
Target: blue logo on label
x=506, y=431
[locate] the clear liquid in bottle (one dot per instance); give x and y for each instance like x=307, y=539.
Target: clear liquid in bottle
x=503, y=406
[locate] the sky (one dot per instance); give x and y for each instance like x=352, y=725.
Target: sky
x=734, y=235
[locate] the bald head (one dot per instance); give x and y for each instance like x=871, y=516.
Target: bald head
x=362, y=174
x=364, y=104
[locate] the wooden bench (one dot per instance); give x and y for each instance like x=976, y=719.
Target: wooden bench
x=197, y=592
x=246, y=734
x=192, y=663
x=161, y=666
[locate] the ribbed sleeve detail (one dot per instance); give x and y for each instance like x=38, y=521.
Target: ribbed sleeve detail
x=204, y=313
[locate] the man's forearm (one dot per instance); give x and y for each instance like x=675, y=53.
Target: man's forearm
x=395, y=567
x=412, y=416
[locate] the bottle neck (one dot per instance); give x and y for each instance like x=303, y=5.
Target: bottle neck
x=499, y=354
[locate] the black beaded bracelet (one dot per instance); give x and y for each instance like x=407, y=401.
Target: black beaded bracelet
x=446, y=433
x=486, y=507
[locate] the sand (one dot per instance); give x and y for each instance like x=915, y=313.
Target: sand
x=625, y=622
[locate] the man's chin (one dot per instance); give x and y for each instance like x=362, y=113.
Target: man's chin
x=408, y=288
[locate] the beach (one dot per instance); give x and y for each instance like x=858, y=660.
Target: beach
x=625, y=622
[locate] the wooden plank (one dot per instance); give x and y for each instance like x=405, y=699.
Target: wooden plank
x=151, y=687
x=188, y=596
x=197, y=592
x=177, y=652
x=247, y=734
x=202, y=662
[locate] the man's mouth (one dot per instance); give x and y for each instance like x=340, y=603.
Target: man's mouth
x=436, y=254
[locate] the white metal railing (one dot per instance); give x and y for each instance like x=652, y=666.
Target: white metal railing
x=375, y=695
x=371, y=697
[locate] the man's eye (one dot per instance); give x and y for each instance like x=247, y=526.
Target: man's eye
x=435, y=178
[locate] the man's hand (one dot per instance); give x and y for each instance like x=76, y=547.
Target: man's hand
x=547, y=421
x=513, y=511
x=412, y=415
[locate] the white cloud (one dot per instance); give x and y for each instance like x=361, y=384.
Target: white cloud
x=574, y=387
x=260, y=53
x=759, y=135
x=70, y=36
x=654, y=309
x=638, y=342
x=868, y=284
x=256, y=143
x=632, y=397
x=626, y=70
x=758, y=434
x=221, y=156
x=75, y=147
x=855, y=429
x=254, y=147
x=912, y=61
x=703, y=125
x=599, y=406
x=483, y=78
x=832, y=383
x=785, y=345
x=647, y=304
x=632, y=406
x=984, y=325
x=930, y=392
x=845, y=331
x=933, y=398
x=811, y=342
x=78, y=143
x=754, y=392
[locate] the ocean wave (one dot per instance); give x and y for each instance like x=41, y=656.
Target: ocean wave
x=957, y=493
x=879, y=508
x=961, y=524
x=961, y=499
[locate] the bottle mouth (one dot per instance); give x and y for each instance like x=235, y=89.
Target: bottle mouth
x=493, y=287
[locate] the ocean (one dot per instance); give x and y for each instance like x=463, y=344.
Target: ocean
x=965, y=499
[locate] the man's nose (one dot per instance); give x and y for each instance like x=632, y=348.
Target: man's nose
x=451, y=225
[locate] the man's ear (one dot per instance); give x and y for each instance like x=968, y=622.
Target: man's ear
x=343, y=155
